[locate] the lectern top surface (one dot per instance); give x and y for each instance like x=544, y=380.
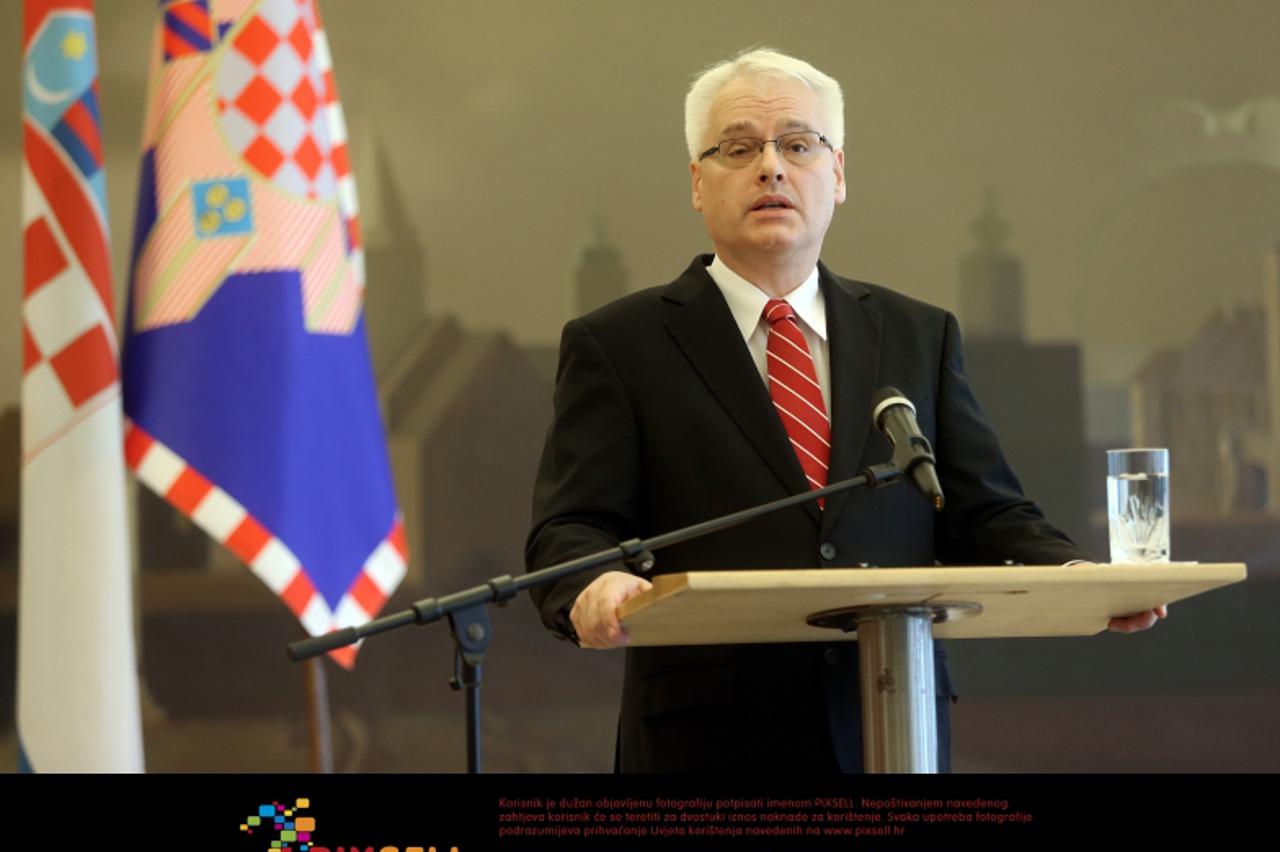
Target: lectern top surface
x=727, y=606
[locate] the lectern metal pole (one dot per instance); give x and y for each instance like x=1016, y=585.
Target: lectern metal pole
x=899, y=710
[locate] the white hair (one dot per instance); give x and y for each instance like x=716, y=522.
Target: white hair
x=767, y=62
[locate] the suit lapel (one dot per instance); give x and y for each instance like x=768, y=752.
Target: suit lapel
x=853, y=335
x=697, y=316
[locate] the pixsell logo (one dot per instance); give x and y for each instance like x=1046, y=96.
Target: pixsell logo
x=282, y=827
x=279, y=827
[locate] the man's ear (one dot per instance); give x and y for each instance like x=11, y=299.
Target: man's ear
x=695, y=175
x=841, y=190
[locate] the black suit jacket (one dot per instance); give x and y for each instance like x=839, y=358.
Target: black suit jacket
x=662, y=420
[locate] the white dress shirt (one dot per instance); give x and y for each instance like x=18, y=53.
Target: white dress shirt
x=747, y=301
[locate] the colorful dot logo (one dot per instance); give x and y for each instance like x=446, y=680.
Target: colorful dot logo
x=281, y=826
x=222, y=207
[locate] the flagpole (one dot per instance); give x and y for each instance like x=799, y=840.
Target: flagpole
x=319, y=719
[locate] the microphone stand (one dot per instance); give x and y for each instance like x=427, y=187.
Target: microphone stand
x=468, y=614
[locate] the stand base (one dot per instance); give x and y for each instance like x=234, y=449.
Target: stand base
x=846, y=618
x=895, y=664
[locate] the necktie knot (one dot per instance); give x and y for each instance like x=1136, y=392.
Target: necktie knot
x=776, y=310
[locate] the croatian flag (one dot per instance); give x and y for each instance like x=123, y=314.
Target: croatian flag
x=247, y=377
x=77, y=671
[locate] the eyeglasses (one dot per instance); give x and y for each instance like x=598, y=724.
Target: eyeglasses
x=799, y=148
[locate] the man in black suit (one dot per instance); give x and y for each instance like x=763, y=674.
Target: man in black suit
x=748, y=378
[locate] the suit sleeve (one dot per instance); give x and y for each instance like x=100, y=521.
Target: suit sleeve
x=586, y=493
x=987, y=518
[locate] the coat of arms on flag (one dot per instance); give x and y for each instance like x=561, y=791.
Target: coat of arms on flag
x=247, y=375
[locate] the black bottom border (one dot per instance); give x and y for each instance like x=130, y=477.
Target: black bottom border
x=510, y=813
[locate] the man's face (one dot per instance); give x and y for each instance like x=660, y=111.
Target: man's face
x=801, y=199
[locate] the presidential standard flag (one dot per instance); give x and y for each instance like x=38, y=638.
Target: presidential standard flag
x=247, y=376
x=77, y=675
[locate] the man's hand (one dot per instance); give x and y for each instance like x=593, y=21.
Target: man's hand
x=1137, y=621
x=595, y=612
x=1131, y=623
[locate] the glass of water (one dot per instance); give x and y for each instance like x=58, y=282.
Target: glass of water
x=1138, y=505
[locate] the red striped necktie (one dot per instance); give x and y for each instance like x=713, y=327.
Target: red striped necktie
x=797, y=396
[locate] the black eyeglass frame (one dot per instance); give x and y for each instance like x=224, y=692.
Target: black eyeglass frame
x=715, y=149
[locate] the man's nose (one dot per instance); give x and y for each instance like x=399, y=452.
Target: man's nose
x=770, y=165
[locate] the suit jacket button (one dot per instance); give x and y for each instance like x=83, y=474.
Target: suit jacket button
x=828, y=550
x=831, y=656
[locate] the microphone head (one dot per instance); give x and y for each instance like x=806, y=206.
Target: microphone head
x=911, y=451
x=883, y=400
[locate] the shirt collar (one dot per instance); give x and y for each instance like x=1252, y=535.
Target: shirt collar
x=746, y=301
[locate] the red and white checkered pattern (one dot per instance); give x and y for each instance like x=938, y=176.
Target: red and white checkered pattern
x=271, y=92
x=228, y=522
x=336, y=124
x=68, y=337
x=279, y=109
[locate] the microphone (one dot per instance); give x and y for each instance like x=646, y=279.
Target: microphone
x=895, y=418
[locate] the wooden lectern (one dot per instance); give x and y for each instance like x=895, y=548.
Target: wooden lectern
x=895, y=612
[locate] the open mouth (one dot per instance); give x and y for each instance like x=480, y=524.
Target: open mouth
x=772, y=203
